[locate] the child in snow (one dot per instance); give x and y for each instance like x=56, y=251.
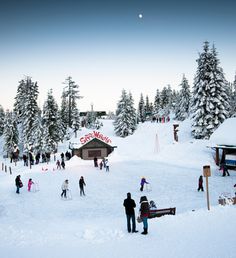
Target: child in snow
x=101, y=165
x=65, y=188
x=200, y=184
x=30, y=182
x=143, y=181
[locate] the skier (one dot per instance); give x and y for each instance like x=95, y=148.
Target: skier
x=62, y=155
x=18, y=184
x=107, y=165
x=65, y=188
x=143, y=181
x=30, y=182
x=200, y=184
x=129, y=205
x=144, y=212
x=81, y=186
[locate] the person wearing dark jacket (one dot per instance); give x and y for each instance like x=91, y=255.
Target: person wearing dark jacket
x=81, y=186
x=129, y=205
x=200, y=184
x=18, y=184
x=144, y=212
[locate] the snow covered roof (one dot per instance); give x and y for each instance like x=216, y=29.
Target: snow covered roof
x=225, y=133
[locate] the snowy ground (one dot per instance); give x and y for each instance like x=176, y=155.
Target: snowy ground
x=40, y=224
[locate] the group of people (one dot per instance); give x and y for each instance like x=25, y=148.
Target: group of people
x=65, y=187
x=19, y=184
x=104, y=163
x=130, y=205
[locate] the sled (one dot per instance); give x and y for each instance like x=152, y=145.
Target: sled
x=148, y=187
x=154, y=213
x=35, y=187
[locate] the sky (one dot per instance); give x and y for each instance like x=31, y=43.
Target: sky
x=106, y=47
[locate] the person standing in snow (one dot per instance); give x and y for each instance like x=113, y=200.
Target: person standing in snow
x=101, y=165
x=142, y=183
x=58, y=164
x=65, y=188
x=18, y=184
x=225, y=170
x=63, y=164
x=81, y=186
x=30, y=182
x=107, y=165
x=144, y=212
x=200, y=184
x=129, y=205
x=95, y=161
x=235, y=189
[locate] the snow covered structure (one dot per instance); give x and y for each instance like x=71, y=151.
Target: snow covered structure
x=223, y=140
x=92, y=145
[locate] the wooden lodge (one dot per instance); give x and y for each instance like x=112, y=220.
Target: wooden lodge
x=92, y=145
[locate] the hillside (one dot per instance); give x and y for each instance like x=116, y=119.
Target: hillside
x=41, y=224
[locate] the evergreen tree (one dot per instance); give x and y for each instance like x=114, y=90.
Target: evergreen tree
x=132, y=113
x=125, y=122
x=51, y=131
x=75, y=121
x=210, y=94
x=184, y=100
x=147, y=106
x=64, y=113
x=141, y=110
x=21, y=96
x=30, y=110
x=10, y=132
x=72, y=93
x=233, y=99
x=157, y=103
x=2, y=117
x=38, y=133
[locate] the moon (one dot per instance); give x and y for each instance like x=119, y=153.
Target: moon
x=140, y=16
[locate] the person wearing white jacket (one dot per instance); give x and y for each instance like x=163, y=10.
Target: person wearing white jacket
x=64, y=188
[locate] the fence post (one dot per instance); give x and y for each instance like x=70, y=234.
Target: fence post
x=10, y=170
x=5, y=168
x=2, y=166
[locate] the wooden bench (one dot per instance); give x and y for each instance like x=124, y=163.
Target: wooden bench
x=154, y=213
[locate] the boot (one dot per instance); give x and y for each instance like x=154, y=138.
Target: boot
x=144, y=231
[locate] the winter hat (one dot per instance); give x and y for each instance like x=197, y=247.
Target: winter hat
x=143, y=198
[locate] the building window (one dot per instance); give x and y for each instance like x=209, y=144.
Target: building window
x=94, y=153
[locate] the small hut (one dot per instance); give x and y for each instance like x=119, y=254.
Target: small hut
x=92, y=145
x=223, y=141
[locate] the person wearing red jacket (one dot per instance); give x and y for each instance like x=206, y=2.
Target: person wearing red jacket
x=144, y=213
